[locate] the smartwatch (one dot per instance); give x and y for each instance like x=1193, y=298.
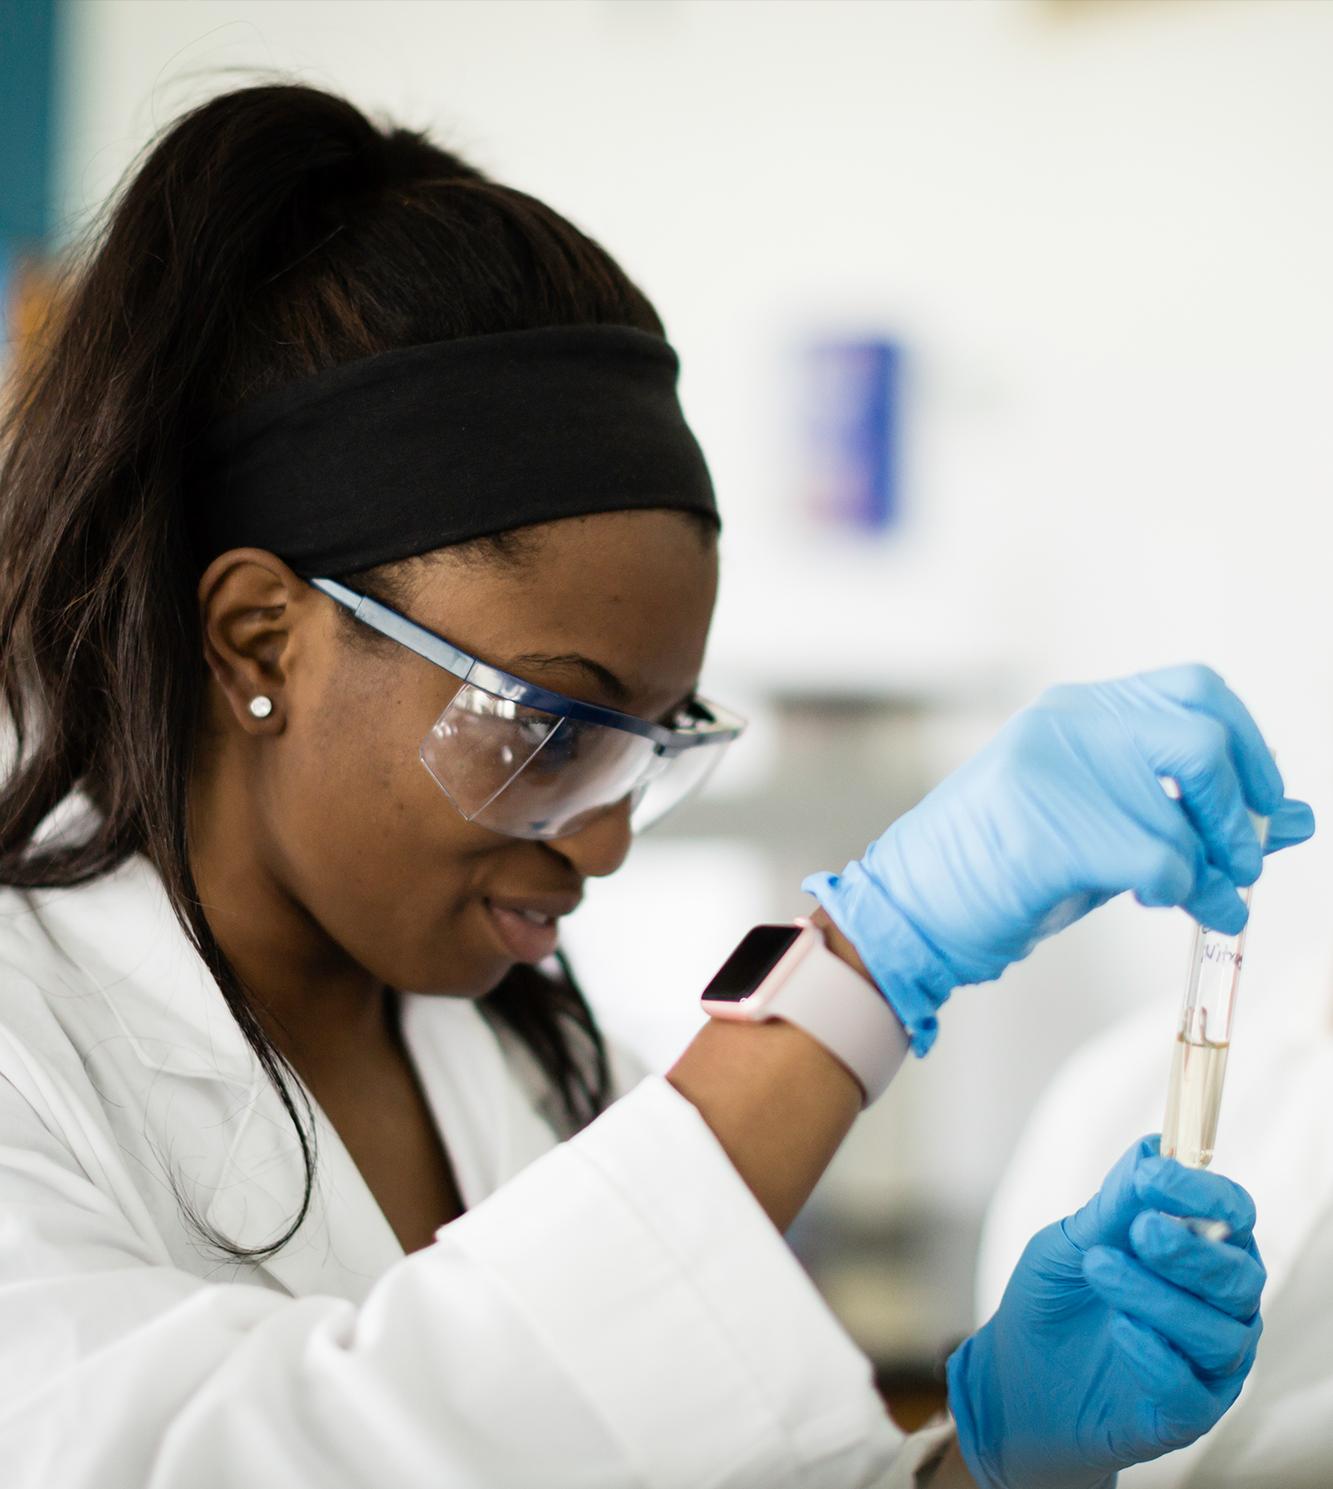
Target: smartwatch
x=788, y=972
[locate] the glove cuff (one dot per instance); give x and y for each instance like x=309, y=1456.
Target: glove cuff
x=964, y=1417
x=913, y=976
x=971, y=1424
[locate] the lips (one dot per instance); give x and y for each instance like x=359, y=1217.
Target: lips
x=527, y=926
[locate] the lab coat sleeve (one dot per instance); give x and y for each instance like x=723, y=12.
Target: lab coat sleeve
x=620, y=1314
x=627, y=1067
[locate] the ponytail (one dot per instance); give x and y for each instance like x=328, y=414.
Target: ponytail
x=271, y=233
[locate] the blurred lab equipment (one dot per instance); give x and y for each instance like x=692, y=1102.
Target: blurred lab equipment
x=851, y=419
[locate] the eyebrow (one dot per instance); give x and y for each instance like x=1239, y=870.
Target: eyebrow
x=615, y=689
x=607, y=680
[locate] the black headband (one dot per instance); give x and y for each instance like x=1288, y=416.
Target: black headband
x=414, y=449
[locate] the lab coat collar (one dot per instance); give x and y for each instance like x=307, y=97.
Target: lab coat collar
x=484, y=1111
x=175, y=1019
x=122, y=943
x=114, y=947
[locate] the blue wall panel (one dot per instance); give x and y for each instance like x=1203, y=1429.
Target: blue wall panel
x=27, y=87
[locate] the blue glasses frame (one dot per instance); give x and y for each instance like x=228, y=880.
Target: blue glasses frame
x=469, y=669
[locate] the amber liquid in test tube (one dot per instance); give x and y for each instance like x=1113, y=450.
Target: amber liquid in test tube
x=1199, y=1065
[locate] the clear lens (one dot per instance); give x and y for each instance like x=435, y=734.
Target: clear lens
x=527, y=772
x=532, y=774
x=480, y=743
x=662, y=793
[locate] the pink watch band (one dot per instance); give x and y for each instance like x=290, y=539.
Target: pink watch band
x=817, y=991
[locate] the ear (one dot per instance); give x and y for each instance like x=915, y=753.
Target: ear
x=250, y=606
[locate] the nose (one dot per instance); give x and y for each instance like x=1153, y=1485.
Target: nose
x=601, y=845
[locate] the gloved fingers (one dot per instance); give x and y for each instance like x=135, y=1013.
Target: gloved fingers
x=1215, y=904
x=1201, y=690
x=1292, y=823
x=1106, y=1218
x=1141, y=1179
x=1160, y=873
x=1212, y=1341
x=1166, y=859
x=1163, y=1184
x=1229, y=1277
x=1212, y=796
x=1185, y=1404
x=1121, y=831
x=1198, y=753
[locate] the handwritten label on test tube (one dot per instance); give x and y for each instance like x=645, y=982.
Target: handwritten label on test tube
x=1203, y=1039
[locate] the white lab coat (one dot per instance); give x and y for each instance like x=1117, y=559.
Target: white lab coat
x=1276, y=1138
x=613, y=1310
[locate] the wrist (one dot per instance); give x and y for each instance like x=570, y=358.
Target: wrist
x=787, y=972
x=950, y=1472
x=839, y=945
x=910, y=974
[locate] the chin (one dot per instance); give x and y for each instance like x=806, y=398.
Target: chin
x=461, y=982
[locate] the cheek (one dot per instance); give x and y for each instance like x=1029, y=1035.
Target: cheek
x=380, y=858
x=352, y=776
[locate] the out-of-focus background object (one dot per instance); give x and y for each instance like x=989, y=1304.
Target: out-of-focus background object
x=1087, y=245
x=850, y=405
x=27, y=160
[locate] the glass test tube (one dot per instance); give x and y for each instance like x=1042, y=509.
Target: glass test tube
x=1199, y=1064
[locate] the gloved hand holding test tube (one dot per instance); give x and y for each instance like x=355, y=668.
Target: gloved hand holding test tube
x=1114, y=1315
x=1203, y=1040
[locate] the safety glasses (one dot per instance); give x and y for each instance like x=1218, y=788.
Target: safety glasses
x=524, y=761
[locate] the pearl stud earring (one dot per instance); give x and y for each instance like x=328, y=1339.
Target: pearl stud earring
x=261, y=706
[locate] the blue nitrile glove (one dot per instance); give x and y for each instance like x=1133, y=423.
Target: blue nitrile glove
x=1062, y=810
x=1121, y=1335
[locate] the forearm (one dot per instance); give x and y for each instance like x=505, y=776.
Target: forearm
x=777, y=1101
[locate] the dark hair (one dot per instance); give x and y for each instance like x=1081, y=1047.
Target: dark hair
x=269, y=234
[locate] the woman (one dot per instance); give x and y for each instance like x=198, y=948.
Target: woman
x=287, y=1045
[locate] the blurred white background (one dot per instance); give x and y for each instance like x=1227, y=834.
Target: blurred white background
x=1102, y=232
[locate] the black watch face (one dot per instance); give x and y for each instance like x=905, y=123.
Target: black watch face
x=759, y=952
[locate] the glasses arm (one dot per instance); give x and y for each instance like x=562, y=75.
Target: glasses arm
x=468, y=668
x=406, y=632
